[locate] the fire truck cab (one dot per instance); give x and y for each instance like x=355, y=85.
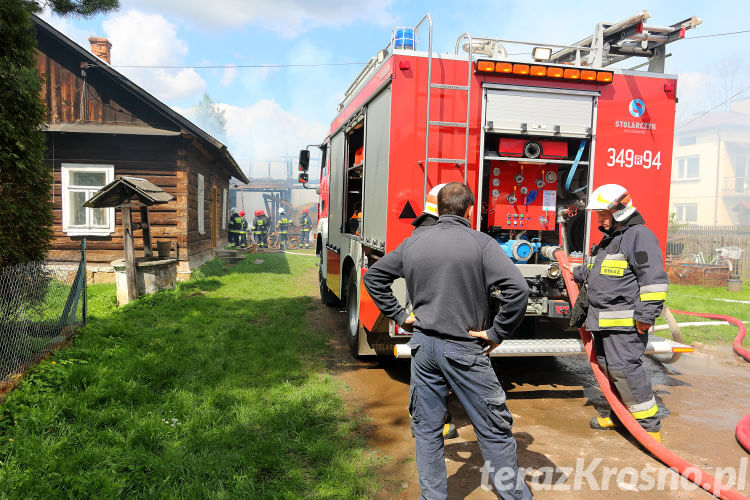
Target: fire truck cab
x=531, y=136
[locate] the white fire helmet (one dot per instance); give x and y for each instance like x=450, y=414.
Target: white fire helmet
x=431, y=205
x=281, y=211
x=614, y=198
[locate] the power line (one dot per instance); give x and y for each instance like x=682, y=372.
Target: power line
x=715, y=107
x=231, y=66
x=716, y=34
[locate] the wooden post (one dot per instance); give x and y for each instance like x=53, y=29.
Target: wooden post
x=127, y=235
x=148, y=251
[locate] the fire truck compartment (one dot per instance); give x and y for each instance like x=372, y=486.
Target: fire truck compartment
x=539, y=111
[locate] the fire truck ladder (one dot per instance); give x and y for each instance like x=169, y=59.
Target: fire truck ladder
x=431, y=123
x=631, y=37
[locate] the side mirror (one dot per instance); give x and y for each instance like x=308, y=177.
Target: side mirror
x=304, y=160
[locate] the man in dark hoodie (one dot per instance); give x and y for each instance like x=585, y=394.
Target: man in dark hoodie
x=449, y=270
x=627, y=287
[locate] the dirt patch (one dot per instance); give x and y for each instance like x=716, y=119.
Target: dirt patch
x=552, y=400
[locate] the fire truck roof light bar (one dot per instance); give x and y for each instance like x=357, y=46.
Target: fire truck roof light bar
x=542, y=71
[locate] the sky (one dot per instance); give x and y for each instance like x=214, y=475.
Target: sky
x=273, y=112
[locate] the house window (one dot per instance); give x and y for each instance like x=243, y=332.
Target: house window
x=79, y=183
x=687, y=212
x=687, y=168
x=201, y=205
x=224, y=210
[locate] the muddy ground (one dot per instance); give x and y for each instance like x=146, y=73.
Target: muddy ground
x=552, y=401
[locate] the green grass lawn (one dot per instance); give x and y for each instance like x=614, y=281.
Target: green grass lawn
x=699, y=299
x=216, y=389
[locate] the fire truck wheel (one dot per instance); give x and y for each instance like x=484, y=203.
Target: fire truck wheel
x=352, y=315
x=326, y=296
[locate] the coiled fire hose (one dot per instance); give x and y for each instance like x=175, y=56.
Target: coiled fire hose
x=666, y=456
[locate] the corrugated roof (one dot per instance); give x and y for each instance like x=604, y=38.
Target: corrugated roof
x=177, y=118
x=121, y=190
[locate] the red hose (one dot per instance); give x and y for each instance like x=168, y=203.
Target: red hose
x=667, y=457
x=742, y=329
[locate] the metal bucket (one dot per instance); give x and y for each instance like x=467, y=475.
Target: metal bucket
x=164, y=249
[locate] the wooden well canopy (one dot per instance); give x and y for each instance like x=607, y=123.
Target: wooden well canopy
x=119, y=193
x=123, y=189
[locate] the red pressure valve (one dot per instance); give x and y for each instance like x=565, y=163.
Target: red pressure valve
x=572, y=211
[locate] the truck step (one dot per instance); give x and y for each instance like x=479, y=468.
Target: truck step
x=560, y=347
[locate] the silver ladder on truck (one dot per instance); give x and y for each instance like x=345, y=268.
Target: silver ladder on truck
x=431, y=123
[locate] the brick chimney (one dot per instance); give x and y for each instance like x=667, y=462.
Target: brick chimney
x=101, y=48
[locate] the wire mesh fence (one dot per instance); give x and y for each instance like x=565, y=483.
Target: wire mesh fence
x=41, y=304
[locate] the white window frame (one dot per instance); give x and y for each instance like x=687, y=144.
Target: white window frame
x=683, y=163
x=88, y=229
x=224, y=209
x=681, y=209
x=201, y=204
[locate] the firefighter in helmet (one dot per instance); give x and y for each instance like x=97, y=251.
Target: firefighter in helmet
x=265, y=229
x=282, y=225
x=234, y=227
x=259, y=228
x=626, y=288
x=243, y=230
x=305, y=224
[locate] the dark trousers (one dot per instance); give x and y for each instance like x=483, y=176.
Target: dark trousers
x=306, y=238
x=257, y=238
x=436, y=364
x=619, y=356
x=283, y=238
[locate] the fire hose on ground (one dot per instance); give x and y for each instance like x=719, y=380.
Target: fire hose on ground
x=691, y=472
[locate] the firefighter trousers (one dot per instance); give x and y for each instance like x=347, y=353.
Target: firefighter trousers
x=619, y=355
x=436, y=364
x=305, y=238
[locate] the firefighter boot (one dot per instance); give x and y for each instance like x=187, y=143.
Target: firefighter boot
x=656, y=435
x=602, y=423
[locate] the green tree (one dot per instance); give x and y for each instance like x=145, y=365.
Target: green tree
x=25, y=180
x=210, y=117
x=80, y=7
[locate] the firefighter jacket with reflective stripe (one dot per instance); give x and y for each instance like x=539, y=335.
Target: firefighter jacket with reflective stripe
x=259, y=224
x=235, y=224
x=626, y=278
x=283, y=225
x=305, y=223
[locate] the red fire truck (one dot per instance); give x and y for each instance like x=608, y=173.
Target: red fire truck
x=532, y=137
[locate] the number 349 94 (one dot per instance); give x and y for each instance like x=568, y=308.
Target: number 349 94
x=628, y=158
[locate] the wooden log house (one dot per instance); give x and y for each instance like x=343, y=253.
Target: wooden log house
x=101, y=125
